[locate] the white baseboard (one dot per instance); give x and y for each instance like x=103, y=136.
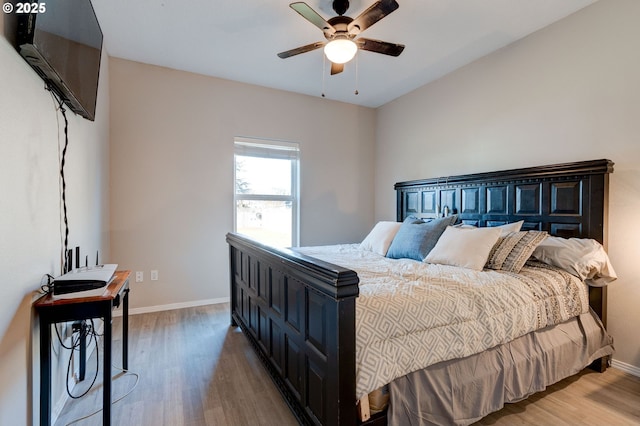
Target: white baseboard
x=171, y=306
x=627, y=368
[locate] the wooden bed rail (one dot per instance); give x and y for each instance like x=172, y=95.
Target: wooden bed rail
x=299, y=314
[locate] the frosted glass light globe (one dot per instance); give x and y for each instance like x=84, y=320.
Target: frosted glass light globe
x=340, y=51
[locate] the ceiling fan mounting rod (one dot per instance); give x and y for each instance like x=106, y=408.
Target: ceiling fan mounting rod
x=340, y=25
x=340, y=6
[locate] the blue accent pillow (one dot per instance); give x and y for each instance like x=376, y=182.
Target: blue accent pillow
x=413, y=219
x=414, y=240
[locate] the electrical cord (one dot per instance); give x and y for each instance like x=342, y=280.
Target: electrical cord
x=67, y=267
x=124, y=373
x=84, y=332
x=87, y=330
x=47, y=287
x=64, y=241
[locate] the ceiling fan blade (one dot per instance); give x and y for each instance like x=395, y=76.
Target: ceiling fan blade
x=373, y=14
x=312, y=16
x=301, y=49
x=336, y=68
x=378, y=46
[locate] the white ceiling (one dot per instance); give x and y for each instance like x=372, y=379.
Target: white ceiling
x=239, y=39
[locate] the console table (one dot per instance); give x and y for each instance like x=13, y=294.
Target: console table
x=53, y=311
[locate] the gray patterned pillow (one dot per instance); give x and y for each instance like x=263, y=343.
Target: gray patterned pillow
x=512, y=251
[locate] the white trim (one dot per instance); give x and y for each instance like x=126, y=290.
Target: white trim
x=627, y=368
x=260, y=197
x=171, y=306
x=268, y=143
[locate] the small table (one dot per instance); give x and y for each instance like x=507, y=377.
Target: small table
x=53, y=311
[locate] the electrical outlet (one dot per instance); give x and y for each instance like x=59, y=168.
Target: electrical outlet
x=154, y=275
x=139, y=276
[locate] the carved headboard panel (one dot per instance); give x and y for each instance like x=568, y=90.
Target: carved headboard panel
x=568, y=200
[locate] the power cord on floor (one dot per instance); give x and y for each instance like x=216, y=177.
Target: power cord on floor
x=84, y=330
x=125, y=373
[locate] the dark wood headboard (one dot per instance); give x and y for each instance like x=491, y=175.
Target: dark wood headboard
x=567, y=200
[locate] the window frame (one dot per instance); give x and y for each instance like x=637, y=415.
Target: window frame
x=270, y=148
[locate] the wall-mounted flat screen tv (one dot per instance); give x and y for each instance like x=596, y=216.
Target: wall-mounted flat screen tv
x=63, y=43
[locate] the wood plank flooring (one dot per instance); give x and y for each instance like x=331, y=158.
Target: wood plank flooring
x=589, y=398
x=194, y=369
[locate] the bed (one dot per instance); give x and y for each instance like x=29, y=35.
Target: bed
x=299, y=312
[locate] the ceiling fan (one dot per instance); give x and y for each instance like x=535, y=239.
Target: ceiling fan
x=342, y=32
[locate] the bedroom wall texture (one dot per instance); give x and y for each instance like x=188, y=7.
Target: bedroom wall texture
x=30, y=246
x=172, y=173
x=568, y=92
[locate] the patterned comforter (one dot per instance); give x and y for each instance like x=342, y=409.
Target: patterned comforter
x=410, y=314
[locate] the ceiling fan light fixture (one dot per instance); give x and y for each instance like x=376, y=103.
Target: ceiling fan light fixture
x=340, y=50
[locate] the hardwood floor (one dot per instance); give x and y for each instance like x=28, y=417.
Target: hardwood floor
x=611, y=398
x=194, y=369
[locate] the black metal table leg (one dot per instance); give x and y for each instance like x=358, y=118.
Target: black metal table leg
x=83, y=353
x=125, y=330
x=106, y=389
x=45, y=371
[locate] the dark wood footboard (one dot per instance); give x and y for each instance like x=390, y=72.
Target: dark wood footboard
x=299, y=314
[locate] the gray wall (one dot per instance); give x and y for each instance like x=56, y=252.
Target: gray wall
x=31, y=139
x=172, y=173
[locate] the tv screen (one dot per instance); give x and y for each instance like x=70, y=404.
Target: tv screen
x=63, y=43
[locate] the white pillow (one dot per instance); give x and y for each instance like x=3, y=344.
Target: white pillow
x=380, y=237
x=465, y=247
x=506, y=229
x=510, y=227
x=582, y=257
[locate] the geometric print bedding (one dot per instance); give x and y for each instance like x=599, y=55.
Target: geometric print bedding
x=411, y=314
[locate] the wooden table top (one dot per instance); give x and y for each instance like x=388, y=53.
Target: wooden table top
x=112, y=290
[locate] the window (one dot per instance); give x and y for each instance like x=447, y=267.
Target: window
x=266, y=191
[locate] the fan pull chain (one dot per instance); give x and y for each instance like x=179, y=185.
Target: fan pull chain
x=356, y=92
x=324, y=66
